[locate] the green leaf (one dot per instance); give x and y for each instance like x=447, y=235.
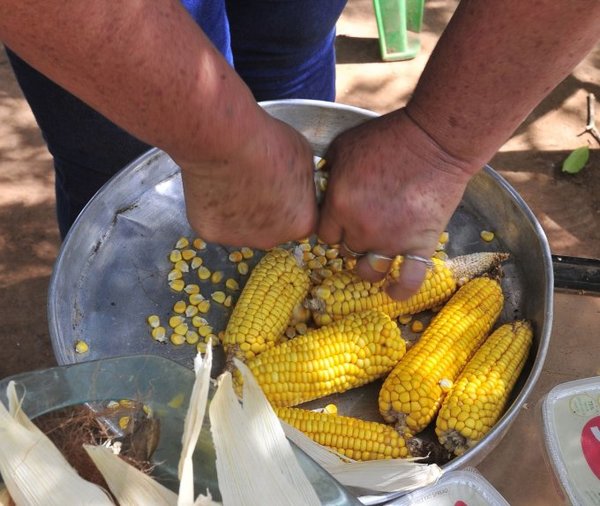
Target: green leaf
x=576, y=160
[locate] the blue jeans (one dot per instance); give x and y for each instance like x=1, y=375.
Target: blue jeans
x=281, y=48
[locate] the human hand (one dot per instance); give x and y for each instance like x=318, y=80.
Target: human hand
x=259, y=194
x=391, y=191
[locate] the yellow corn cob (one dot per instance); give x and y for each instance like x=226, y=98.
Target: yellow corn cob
x=265, y=306
x=480, y=393
x=332, y=359
x=345, y=293
x=411, y=394
x=356, y=439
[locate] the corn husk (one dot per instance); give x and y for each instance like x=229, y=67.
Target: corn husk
x=191, y=431
x=390, y=475
x=33, y=469
x=255, y=462
x=130, y=486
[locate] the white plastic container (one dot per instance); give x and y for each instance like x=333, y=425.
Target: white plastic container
x=571, y=423
x=456, y=488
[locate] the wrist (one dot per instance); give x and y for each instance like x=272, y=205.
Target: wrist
x=461, y=149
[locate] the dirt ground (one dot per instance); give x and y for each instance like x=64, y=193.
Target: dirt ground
x=568, y=207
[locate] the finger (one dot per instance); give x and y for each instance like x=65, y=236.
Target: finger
x=349, y=251
x=328, y=230
x=374, y=267
x=410, y=278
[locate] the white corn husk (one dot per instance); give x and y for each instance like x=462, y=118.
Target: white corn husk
x=33, y=469
x=386, y=475
x=130, y=486
x=255, y=462
x=192, y=427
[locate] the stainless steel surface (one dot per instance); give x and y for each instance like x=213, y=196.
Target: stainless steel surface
x=111, y=270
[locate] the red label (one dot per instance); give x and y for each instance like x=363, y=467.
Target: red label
x=460, y=503
x=590, y=444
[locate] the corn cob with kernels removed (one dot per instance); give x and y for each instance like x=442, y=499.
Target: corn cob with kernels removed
x=412, y=393
x=345, y=292
x=478, y=397
x=332, y=359
x=354, y=438
x=277, y=284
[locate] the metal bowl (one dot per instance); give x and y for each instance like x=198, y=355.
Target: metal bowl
x=110, y=273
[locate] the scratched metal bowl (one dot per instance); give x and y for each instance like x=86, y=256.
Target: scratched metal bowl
x=111, y=270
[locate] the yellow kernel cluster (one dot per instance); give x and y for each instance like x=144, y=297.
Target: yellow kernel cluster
x=199, y=285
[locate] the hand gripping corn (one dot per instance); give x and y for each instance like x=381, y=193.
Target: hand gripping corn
x=345, y=293
x=411, y=394
x=346, y=354
x=356, y=439
x=266, y=303
x=477, y=399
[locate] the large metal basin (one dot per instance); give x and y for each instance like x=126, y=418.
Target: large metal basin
x=110, y=273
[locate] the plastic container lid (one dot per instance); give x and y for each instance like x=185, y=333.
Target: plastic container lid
x=455, y=488
x=571, y=421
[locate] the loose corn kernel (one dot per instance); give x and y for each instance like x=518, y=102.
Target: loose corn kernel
x=201, y=347
x=242, y=268
x=179, y=306
x=204, y=306
x=247, y=253
x=301, y=328
x=216, y=276
x=199, y=244
x=232, y=284
x=236, y=256
x=196, y=262
x=318, y=250
x=404, y=319
x=175, y=256
x=203, y=273
x=417, y=326
x=331, y=253
x=218, y=297
x=205, y=330
x=177, y=339
x=188, y=254
x=444, y=237
x=175, y=320
x=331, y=409
x=198, y=321
x=196, y=298
x=174, y=274
x=181, y=329
x=192, y=337
x=191, y=288
x=486, y=235
x=191, y=310
x=228, y=301
x=147, y=410
x=159, y=334
x=124, y=422
x=446, y=384
x=183, y=242
x=81, y=347
x=153, y=321
x=177, y=285
x=182, y=266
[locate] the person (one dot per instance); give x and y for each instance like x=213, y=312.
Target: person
x=394, y=181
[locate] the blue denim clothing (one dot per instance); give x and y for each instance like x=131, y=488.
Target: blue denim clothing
x=281, y=48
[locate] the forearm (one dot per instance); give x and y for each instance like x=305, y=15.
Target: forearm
x=494, y=63
x=144, y=65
